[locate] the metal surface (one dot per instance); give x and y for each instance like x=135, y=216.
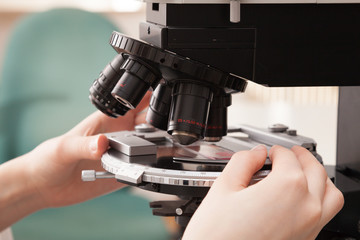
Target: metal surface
x=136, y=173
x=91, y=175
x=184, y=138
x=130, y=172
x=212, y=139
x=194, y=167
x=278, y=127
x=142, y=128
x=235, y=11
x=132, y=145
x=273, y=138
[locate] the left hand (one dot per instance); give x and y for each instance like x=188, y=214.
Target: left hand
x=54, y=167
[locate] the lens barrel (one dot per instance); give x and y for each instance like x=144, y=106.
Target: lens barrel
x=100, y=91
x=160, y=102
x=138, y=77
x=189, y=112
x=217, y=121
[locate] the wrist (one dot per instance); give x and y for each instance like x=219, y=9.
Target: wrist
x=18, y=197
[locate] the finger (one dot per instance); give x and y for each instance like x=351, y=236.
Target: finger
x=101, y=123
x=315, y=173
x=242, y=166
x=88, y=126
x=332, y=203
x=126, y=122
x=144, y=103
x=75, y=148
x=140, y=118
x=283, y=161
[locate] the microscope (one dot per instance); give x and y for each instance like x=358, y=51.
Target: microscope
x=193, y=54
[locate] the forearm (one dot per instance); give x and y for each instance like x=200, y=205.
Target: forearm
x=17, y=197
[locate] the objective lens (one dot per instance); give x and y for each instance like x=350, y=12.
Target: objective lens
x=158, y=113
x=100, y=91
x=217, y=122
x=135, y=82
x=189, y=112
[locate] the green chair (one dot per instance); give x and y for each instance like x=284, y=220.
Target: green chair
x=50, y=63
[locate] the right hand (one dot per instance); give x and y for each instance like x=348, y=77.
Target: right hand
x=295, y=201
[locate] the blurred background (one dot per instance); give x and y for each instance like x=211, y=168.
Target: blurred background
x=38, y=37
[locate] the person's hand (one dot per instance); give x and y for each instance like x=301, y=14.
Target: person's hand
x=50, y=175
x=55, y=166
x=294, y=201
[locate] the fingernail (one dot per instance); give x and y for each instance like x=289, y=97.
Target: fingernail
x=260, y=147
x=94, y=144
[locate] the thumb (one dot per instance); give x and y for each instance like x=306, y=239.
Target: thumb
x=75, y=148
x=242, y=166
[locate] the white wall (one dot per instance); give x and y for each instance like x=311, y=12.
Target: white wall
x=311, y=111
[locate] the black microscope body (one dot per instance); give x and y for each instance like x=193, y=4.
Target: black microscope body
x=194, y=58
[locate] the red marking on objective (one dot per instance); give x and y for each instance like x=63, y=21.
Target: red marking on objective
x=213, y=127
x=122, y=84
x=192, y=122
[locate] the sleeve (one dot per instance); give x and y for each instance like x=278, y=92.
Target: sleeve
x=6, y=234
